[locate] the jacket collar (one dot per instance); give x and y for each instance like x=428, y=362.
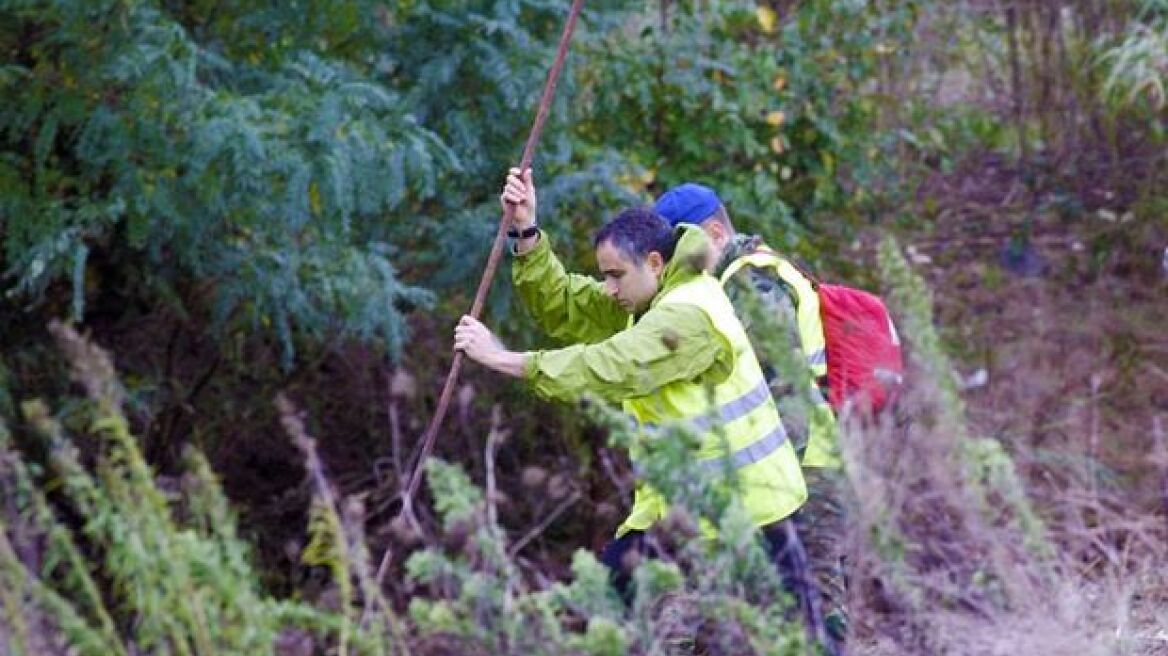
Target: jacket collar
x=741, y=244
x=689, y=258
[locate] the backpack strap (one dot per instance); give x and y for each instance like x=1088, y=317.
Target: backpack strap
x=795, y=264
x=761, y=249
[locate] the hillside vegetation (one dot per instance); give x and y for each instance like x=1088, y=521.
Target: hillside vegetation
x=237, y=236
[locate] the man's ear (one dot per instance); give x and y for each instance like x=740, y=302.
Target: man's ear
x=711, y=228
x=717, y=231
x=655, y=262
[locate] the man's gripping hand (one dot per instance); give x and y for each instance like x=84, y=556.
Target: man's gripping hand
x=480, y=344
x=519, y=190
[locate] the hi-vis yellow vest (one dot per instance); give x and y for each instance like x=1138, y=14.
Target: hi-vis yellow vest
x=753, y=439
x=822, y=432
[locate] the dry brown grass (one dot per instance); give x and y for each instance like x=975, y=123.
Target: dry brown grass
x=1076, y=394
x=941, y=563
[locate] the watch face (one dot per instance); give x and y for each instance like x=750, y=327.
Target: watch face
x=526, y=234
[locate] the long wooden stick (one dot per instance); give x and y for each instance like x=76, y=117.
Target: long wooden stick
x=493, y=259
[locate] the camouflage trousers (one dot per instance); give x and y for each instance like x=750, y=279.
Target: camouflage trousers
x=821, y=525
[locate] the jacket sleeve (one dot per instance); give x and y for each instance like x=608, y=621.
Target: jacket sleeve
x=569, y=307
x=670, y=343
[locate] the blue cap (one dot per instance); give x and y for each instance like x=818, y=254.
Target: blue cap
x=687, y=203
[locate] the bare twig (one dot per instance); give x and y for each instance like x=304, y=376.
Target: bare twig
x=399, y=478
x=609, y=467
x=383, y=568
x=1157, y=370
x=494, y=439
x=293, y=424
x=395, y=433
x=395, y=436
x=1160, y=455
x=542, y=582
x=1096, y=383
x=543, y=524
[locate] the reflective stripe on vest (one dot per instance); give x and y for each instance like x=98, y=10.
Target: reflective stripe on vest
x=736, y=409
x=817, y=358
x=754, y=452
x=736, y=421
x=739, y=407
x=728, y=412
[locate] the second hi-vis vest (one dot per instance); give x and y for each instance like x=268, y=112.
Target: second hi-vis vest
x=821, y=434
x=753, y=440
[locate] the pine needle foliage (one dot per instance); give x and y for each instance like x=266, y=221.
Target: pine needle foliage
x=719, y=589
x=282, y=171
x=123, y=135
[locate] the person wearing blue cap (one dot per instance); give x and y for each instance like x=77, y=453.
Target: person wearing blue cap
x=659, y=337
x=748, y=269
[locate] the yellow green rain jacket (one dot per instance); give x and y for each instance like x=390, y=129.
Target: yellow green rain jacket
x=662, y=366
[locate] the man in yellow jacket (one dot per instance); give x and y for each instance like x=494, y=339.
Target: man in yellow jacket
x=748, y=268
x=658, y=336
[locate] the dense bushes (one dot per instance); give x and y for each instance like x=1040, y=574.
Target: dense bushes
x=241, y=198
x=275, y=170
x=101, y=555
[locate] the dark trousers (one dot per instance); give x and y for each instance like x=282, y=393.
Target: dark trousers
x=621, y=557
x=784, y=547
x=790, y=558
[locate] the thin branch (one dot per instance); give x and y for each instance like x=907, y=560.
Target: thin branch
x=610, y=471
x=1160, y=455
x=542, y=525
x=494, y=439
x=496, y=253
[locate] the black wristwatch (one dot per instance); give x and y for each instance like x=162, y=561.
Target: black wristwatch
x=526, y=233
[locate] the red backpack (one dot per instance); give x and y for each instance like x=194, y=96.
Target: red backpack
x=864, y=363
x=865, y=367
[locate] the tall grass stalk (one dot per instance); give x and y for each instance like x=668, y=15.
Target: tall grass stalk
x=121, y=566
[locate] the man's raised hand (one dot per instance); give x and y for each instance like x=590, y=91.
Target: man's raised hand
x=519, y=190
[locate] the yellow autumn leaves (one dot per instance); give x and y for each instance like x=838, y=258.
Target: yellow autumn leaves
x=768, y=20
x=637, y=182
x=776, y=118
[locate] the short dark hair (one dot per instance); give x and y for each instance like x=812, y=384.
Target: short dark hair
x=636, y=232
